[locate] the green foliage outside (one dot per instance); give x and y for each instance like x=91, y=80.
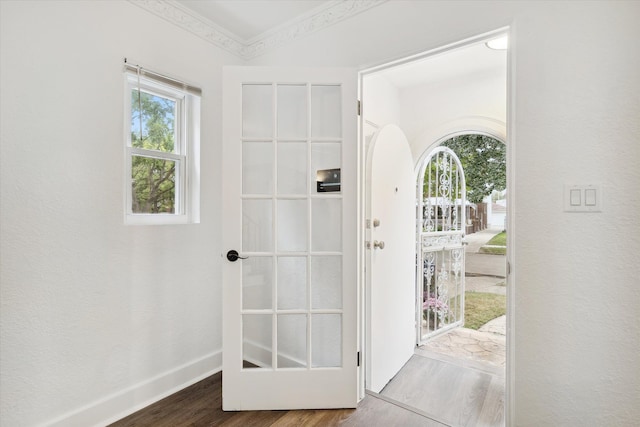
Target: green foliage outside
x=481, y=307
x=152, y=128
x=499, y=240
x=501, y=250
x=484, y=163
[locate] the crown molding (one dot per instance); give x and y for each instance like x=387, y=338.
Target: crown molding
x=177, y=14
x=317, y=19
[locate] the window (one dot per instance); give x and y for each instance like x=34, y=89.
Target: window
x=162, y=149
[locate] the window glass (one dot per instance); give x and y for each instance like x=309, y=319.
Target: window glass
x=153, y=121
x=153, y=185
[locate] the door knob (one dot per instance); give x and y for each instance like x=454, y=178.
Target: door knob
x=233, y=256
x=379, y=245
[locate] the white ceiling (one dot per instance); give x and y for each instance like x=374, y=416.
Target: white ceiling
x=249, y=19
x=473, y=60
x=250, y=27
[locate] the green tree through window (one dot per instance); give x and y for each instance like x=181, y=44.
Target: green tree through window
x=484, y=163
x=153, y=127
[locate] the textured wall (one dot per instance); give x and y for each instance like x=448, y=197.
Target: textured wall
x=96, y=316
x=92, y=310
x=576, y=101
x=432, y=111
x=577, y=296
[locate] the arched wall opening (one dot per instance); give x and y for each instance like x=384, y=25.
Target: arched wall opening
x=476, y=212
x=432, y=138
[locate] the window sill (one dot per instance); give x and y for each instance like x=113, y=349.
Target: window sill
x=158, y=219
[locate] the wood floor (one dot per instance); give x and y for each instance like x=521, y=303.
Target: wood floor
x=427, y=389
x=201, y=405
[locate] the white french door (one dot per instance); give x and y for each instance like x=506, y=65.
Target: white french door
x=289, y=194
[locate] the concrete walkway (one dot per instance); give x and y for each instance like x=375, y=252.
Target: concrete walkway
x=483, y=264
x=468, y=344
x=484, y=273
x=480, y=238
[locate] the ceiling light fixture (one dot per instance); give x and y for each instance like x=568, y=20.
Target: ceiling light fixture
x=501, y=43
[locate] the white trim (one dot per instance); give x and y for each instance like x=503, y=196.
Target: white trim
x=404, y=59
x=510, y=370
x=317, y=19
x=142, y=394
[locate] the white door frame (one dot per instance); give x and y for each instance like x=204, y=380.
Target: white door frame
x=511, y=156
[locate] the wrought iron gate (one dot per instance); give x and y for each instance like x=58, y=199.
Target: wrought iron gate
x=441, y=227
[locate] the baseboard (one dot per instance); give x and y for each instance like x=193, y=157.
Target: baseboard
x=117, y=406
x=260, y=355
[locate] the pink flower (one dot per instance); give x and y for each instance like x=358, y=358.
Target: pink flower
x=435, y=304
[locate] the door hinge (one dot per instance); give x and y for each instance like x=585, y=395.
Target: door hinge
x=359, y=107
x=358, y=358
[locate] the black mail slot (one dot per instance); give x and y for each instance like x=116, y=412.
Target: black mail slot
x=328, y=180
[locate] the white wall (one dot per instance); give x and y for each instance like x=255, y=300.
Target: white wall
x=434, y=110
x=575, y=97
x=97, y=317
x=382, y=106
x=437, y=103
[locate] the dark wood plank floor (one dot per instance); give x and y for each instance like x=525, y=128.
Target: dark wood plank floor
x=201, y=405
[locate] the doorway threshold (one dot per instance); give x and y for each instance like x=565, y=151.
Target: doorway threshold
x=486, y=346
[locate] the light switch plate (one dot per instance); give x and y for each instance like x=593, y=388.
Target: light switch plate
x=582, y=198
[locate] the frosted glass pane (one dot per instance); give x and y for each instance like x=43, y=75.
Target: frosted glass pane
x=257, y=229
x=324, y=155
x=326, y=282
x=326, y=340
x=326, y=228
x=257, y=111
x=257, y=168
x=292, y=341
x=292, y=111
x=292, y=168
x=326, y=112
x=257, y=280
x=292, y=225
x=256, y=340
x=292, y=283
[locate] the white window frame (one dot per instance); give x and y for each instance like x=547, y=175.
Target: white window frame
x=186, y=153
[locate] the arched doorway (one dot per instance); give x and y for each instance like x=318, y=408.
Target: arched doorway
x=482, y=266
